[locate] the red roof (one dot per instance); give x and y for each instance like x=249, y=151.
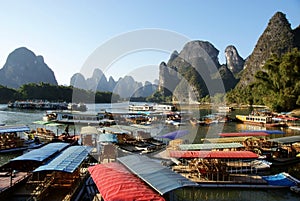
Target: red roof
x=116, y=183
x=214, y=154
x=243, y=134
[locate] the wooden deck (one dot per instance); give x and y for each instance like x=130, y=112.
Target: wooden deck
x=6, y=181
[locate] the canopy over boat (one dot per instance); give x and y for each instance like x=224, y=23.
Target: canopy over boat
x=68, y=160
x=159, y=177
x=209, y=146
x=213, y=154
x=115, y=182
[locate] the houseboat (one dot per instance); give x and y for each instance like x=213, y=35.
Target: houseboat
x=266, y=121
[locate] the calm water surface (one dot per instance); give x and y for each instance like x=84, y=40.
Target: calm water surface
x=14, y=117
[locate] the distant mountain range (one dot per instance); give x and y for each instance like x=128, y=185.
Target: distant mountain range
x=125, y=87
x=194, y=70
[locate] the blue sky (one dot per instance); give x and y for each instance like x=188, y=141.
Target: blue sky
x=67, y=32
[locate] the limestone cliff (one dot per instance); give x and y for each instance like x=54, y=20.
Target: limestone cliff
x=22, y=67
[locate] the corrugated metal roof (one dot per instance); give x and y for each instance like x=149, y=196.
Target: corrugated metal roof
x=286, y=140
x=213, y=154
x=67, y=161
x=229, y=139
x=12, y=129
x=159, y=177
x=209, y=146
x=115, y=182
x=42, y=153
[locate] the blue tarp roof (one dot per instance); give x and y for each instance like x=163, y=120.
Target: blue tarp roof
x=67, y=161
x=108, y=138
x=12, y=129
x=42, y=153
x=159, y=177
x=279, y=180
x=175, y=134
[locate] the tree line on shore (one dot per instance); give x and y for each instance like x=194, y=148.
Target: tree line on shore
x=45, y=91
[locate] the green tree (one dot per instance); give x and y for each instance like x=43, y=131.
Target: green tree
x=278, y=84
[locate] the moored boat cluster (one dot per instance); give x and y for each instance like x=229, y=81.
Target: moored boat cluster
x=113, y=150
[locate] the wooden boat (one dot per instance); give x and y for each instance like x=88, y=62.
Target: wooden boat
x=12, y=139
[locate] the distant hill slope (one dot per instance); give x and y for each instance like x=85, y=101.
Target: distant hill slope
x=23, y=66
x=278, y=38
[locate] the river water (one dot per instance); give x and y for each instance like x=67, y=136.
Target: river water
x=27, y=117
